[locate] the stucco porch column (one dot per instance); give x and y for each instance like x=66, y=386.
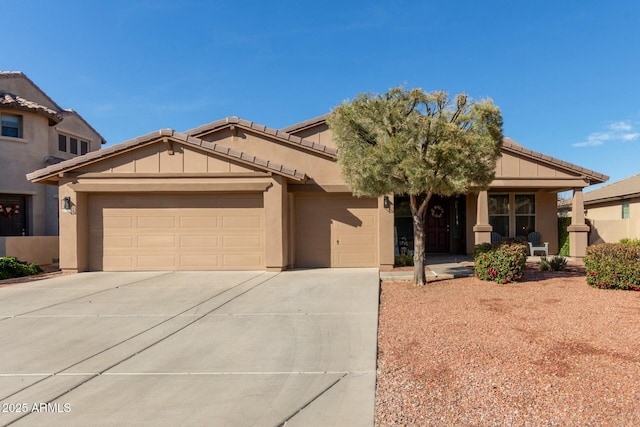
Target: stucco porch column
x=578, y=230
x=74, y=230
x=276, y=218
x=482, y=229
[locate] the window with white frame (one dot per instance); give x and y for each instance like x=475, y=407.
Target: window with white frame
x=11, y=125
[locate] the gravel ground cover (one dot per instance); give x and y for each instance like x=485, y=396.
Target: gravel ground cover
x=548, y=351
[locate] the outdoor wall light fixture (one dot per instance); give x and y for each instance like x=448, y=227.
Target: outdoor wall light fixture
x=65, y=204
x=385, y=202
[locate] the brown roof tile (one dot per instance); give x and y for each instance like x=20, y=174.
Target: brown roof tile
x=306, y=124
x=9, y=100
x=279, y=134
x=93, y=156
x=63, y=112
x=625, y=188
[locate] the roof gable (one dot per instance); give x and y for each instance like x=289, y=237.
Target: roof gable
x=233, y=121
x=510, y=146
x=168, y=136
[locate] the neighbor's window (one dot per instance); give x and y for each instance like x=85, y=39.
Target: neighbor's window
x=525, y=214
x=84, y=147
x=11, y=125
x=625, y=210
x=73, y=143
x=62, y=143
x=499, y=213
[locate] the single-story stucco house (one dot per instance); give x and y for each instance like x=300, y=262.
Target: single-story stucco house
x=233, y=194
x=614, y=211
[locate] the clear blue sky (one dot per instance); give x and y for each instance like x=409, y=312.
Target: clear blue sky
x=566, y=74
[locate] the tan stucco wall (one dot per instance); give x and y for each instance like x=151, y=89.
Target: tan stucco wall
x=320, y=134
x=20, y=156
x=607, y=223
x=43, y=250
x=320, y=168
x=511, y=166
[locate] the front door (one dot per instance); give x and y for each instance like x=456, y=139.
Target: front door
x=437, y=225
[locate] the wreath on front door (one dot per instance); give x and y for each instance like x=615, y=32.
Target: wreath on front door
x=437, y=211
x=8, y=210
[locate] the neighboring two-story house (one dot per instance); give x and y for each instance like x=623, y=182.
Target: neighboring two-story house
x=35, y=132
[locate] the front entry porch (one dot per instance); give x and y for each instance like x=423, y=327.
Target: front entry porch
x=445, y=225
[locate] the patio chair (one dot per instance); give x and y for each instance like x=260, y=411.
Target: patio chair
x=495, y=237
x=534, y=243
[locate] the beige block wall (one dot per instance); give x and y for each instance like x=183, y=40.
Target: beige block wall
x=607, y=225
x=43, y=250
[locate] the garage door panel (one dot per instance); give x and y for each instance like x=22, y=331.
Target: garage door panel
x=336, y=231
x=200, y=262
x=241, y=221
x=114, y=221
x=203, y=222
x=211, y=242
x=123, y=242
x=174, y=232
x=239, y=260
x=156, y=222
x=160, y=242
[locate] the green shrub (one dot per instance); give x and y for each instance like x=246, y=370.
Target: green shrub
x=557, y=263
x=613, y=266
x=563, y=235
x=501, y=262
x=632, y=242
x=11, y=267
x=403, y=260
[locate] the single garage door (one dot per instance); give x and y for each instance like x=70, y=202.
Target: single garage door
x=336, y=231
x=176, y=232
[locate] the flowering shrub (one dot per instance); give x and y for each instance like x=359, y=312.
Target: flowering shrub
x=613, y=266
x=10, y=267
x=502, y=262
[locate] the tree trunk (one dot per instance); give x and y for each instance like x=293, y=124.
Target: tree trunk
x=419, y=278
x=418, y=210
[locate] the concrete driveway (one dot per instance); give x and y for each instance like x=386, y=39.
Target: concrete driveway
x=296, y=348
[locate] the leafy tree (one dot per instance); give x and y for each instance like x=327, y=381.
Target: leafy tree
x=417, y=143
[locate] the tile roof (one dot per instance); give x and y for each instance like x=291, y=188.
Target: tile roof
x=593, y=176
x=61, y=111
x=622, y=189
x=225, y=152
x=507, y=143
x=273, y=133
x=307, y=123
x=9, y=100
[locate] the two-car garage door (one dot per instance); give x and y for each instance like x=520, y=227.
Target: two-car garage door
x=136, y=231
x=176, y=232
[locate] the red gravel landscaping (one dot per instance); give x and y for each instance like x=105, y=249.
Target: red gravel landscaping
x=548, y=351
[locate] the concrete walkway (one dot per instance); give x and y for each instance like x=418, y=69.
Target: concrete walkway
x=446, y=266
x=296, y=348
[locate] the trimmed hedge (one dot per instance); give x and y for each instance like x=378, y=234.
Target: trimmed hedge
x=11, y=267
x=502, y=262
x=563, y=235
x=613, y=266
x=632, y=242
